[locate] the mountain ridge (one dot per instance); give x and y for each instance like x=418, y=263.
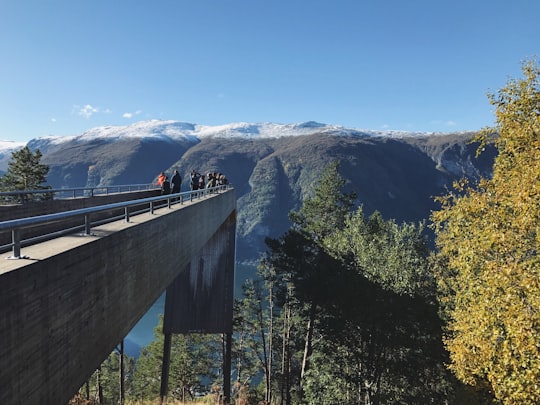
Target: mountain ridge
x=175, y=129
x=273, y=167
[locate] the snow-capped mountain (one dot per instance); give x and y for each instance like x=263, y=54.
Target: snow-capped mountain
x=10, y=146
x=6, y=149
x=272, y=166
x=174, y=130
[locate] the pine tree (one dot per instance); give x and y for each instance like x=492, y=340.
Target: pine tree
x=26, y=172
x=299, y=255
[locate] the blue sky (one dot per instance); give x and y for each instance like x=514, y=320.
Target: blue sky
x=417, y=65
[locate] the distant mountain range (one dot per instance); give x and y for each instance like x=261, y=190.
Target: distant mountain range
x=272, y=166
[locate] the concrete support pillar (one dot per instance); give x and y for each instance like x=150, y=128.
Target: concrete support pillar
x=227, y=369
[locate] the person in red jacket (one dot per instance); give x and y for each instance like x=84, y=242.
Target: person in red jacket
x=161, y=179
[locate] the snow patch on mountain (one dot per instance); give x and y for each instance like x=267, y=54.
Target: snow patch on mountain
x=10, y=146
x=6, y=150
x=178, y=130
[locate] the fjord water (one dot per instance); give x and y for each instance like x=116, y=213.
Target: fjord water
x=143, y=332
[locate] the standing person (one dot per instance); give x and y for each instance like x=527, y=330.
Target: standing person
x=201, y=182
x=176, y=181
x=166, y=186
x=222, y=180
x=212, y=180
x=160, y=179
x=194, y=184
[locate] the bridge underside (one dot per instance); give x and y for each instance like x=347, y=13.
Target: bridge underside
x=65, y=307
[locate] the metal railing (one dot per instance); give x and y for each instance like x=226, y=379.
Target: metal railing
x=16, y=225
x=63, y=193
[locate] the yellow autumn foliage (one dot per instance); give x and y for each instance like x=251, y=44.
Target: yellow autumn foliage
x=488, y=239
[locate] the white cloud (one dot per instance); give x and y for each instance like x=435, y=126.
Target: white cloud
x=87, y=111
x=131, y=114
x=53, y=119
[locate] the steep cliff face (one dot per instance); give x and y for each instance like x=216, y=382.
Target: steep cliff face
x=272, y=175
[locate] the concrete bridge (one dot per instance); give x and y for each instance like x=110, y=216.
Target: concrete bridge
x=67, y=302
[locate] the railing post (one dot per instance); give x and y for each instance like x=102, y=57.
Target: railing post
x=151, y=207
x=16, y=239
x=126, y=215
x=87, y=224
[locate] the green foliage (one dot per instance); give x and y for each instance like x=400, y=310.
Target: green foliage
x=193, y=357
x=105, y=382
x=383, y=321
x=393, y=256
x=325, y=211
x=299, y=256
x=250, y=325
x=298, y=270
x=363, y=292
x=26, y=172
x=489, y=270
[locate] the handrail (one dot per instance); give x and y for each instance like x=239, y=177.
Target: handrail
x=84, y=191
x=15, y=225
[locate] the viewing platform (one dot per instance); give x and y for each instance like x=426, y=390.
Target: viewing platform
x=68, y=300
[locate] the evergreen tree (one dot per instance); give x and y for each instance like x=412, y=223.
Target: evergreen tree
x=328, y=208
x=362, y=293
x=488, y=241
x=299, y=256
x=26, y=172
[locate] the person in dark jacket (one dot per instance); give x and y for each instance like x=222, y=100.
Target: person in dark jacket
x=176, y=181
x=194, y=184
x=166, y=186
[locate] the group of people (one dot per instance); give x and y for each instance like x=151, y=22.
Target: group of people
x=172, y=186
x=197, y=181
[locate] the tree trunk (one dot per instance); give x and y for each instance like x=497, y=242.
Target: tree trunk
x=264, y=348
x=122, y=389
x=309, y=342
x=284, y=343
x=270, y=339
x=99, y=386
x=287, y=371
